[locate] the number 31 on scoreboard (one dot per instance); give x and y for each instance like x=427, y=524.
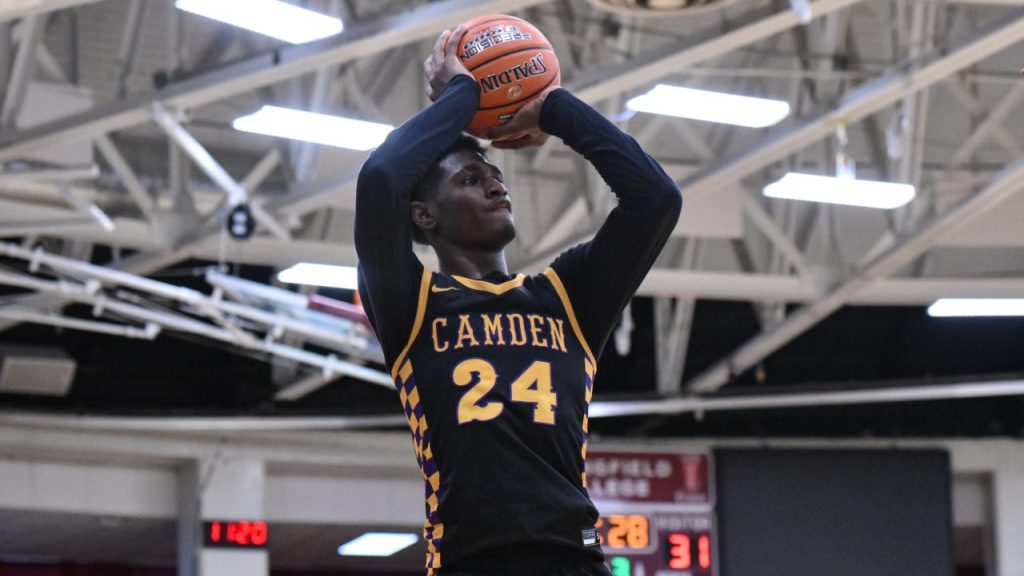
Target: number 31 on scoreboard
x=681, y=552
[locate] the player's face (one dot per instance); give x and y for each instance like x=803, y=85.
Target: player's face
x=473, y=207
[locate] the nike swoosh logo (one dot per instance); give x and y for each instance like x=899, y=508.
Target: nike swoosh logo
x=435, y=288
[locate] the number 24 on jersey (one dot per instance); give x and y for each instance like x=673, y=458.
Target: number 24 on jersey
x=533, y=386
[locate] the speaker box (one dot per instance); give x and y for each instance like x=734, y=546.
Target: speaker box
x=35, y=370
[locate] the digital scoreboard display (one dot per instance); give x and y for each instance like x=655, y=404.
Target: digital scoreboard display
x=659, y=543
x=235, y=534
x=656, y=512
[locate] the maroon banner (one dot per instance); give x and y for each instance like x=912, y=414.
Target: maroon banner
x=651, y=477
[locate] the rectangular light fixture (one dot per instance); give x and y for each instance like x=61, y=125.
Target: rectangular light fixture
x=273, y=18
x=718, y=107
x=313, y=127
x=947, y=307
x=320, y=275
x=845, y=191
x=377, y=544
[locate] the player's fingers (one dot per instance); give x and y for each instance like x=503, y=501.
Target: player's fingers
x=521, y=141
x=506, y=131
x=452, y=47
x=439, y=46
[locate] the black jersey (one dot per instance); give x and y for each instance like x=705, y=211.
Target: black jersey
x=495, y=374
x=498, y=376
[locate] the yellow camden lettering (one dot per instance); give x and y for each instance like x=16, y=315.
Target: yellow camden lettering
x=466, y=332
x=498, y=329
x=438, y=322
x=492, y=326
x=536, y=325
x=517, y=329
x=557, y=333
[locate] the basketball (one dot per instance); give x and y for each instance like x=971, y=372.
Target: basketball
x=511, y=61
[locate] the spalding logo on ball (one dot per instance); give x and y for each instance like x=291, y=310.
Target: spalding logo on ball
x=511, y=61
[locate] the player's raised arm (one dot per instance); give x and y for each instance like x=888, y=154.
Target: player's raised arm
x=603, y=274
x=388, y=269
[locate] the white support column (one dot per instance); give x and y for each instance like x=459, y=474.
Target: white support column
x=190, y=535
x=224, y=486
x=1008, y=520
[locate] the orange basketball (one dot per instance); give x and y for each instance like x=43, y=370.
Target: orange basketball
x=511, y=61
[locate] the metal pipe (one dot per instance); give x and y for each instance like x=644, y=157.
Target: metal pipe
x=606, y=409
x=211, y=307
x=51, y=175
x=598, y=409
x=86, y=294
x=22, y=315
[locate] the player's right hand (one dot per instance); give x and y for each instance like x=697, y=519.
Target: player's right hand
x=443, y=64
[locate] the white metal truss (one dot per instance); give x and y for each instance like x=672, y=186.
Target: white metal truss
x=358, y=41
x=1006, y=183
x=345, y=336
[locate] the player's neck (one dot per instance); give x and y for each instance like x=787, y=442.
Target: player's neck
x=471, y=264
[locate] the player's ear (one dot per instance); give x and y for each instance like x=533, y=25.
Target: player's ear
x=422, y=215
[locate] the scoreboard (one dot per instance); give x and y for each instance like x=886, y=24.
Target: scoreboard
x=657, y=512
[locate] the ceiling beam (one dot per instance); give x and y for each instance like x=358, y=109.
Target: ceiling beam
x=21, y=73
x=742, y=287
x=1004, y=185
x=359, y=40
x=919, y=393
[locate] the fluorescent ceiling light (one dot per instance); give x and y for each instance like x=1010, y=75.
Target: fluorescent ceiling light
x=945, y=307
x=269, y=17
x=846, y=191
x=320, y=275
x=377, y=544
x=710, y=106
x=313, y=127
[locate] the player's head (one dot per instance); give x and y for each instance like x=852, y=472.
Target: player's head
x=462, y=201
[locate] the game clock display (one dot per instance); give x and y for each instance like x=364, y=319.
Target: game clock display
x=657, y=544
x=251, y=535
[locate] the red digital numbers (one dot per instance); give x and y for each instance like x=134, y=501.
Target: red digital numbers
x=679, y=557
x=236, y=534
x=681, y=551
x=704, y=551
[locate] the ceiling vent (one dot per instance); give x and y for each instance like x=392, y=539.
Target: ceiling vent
x=35, y=370
x=660, y=7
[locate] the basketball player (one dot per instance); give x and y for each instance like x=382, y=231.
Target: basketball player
x=495, y=371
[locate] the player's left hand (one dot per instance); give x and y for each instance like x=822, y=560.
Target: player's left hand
x=523, y=130
x=443, y=64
